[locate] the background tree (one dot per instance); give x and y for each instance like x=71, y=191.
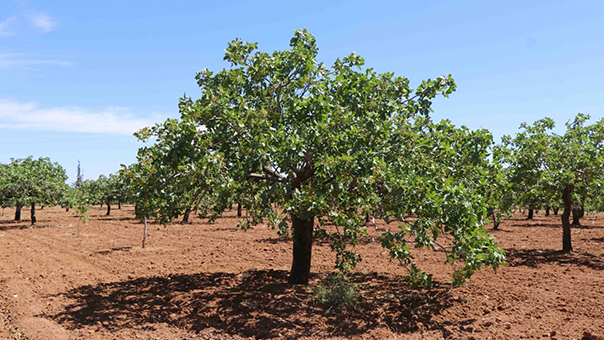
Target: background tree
x=323, y=148
x=33, y=182
x=173, y=178
x=553, y=166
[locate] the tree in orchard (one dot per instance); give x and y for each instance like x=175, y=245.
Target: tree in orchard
x=109, y=189
x=311, y=151
x=34, y=182
x=565, y=167
x=172, y=178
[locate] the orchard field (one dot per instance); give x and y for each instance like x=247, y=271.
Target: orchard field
x=64, y=279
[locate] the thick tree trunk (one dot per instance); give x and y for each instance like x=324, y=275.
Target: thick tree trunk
x=33, y=213
x=547, y=211
x=576, y=211
x=302, y=237
x=185, y=216
x=238, y=210
x=566, y=240
x=18, y=212
x=530, y=214
x=108, y=209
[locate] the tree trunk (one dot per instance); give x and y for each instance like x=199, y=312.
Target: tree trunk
x=108, y=209
x=18, y=212
x=185, y=216
x=119, y=205
x=238, y=209
x=302, y=238
x=144, y=231
x=566, y=240
x=495, y=221
x=547, y=211
x=576, y=211
x=555, y=209
x=33, y=213
x=530, y=214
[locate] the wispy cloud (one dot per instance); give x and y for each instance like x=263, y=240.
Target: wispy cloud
x=5, y=26
x=16, y=60
x=43, y=21
x=28, y=116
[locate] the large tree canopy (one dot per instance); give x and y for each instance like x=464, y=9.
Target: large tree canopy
x=312, y=151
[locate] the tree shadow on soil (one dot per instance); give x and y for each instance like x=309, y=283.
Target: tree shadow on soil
x=253, y=303
x=23, y=224
x=535, y=257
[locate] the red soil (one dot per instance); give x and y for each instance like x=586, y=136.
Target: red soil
x=65, y=280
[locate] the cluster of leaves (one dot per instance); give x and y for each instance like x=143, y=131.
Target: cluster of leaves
x=294, y=141
x=176, y=176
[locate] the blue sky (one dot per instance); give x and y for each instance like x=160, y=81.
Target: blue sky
x=77, y=78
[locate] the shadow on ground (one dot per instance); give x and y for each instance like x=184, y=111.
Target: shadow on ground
x=253, y=303
x=536, y=257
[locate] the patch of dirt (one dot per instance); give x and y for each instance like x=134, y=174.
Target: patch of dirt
x=65, y=280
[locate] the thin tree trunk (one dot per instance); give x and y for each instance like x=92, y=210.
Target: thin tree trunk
x=302, y=250
x=108, y=209
x=530, y=214
x=547, y=211
x=33, y=213
x=555, y=209
x=238, y=209
x=18, y=212
x=119, y=205
x=144, y=231
x=566, y=239
x=185, y=216
x=495, y=221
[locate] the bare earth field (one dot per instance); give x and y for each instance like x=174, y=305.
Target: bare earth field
x=65, y=280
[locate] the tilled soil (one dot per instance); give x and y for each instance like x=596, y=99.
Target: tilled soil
x=63, y=279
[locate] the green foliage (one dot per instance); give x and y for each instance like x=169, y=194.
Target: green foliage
x=335, y=289
x=32, y=181
x=418, y=278
x=82, y=211
x=544, y=166
x=288, y=137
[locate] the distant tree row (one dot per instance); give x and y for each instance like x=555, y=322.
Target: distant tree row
x=39, y=182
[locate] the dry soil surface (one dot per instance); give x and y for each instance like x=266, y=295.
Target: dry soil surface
x=62, y=279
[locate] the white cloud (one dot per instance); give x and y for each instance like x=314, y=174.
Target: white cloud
x=5, y=25
x=16, y=60
x=43, y=22
x=28, y=116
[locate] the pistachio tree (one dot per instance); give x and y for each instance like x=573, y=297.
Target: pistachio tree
x=174, y=176
x=32, y=182
x=550, y=166
x=312, y=150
